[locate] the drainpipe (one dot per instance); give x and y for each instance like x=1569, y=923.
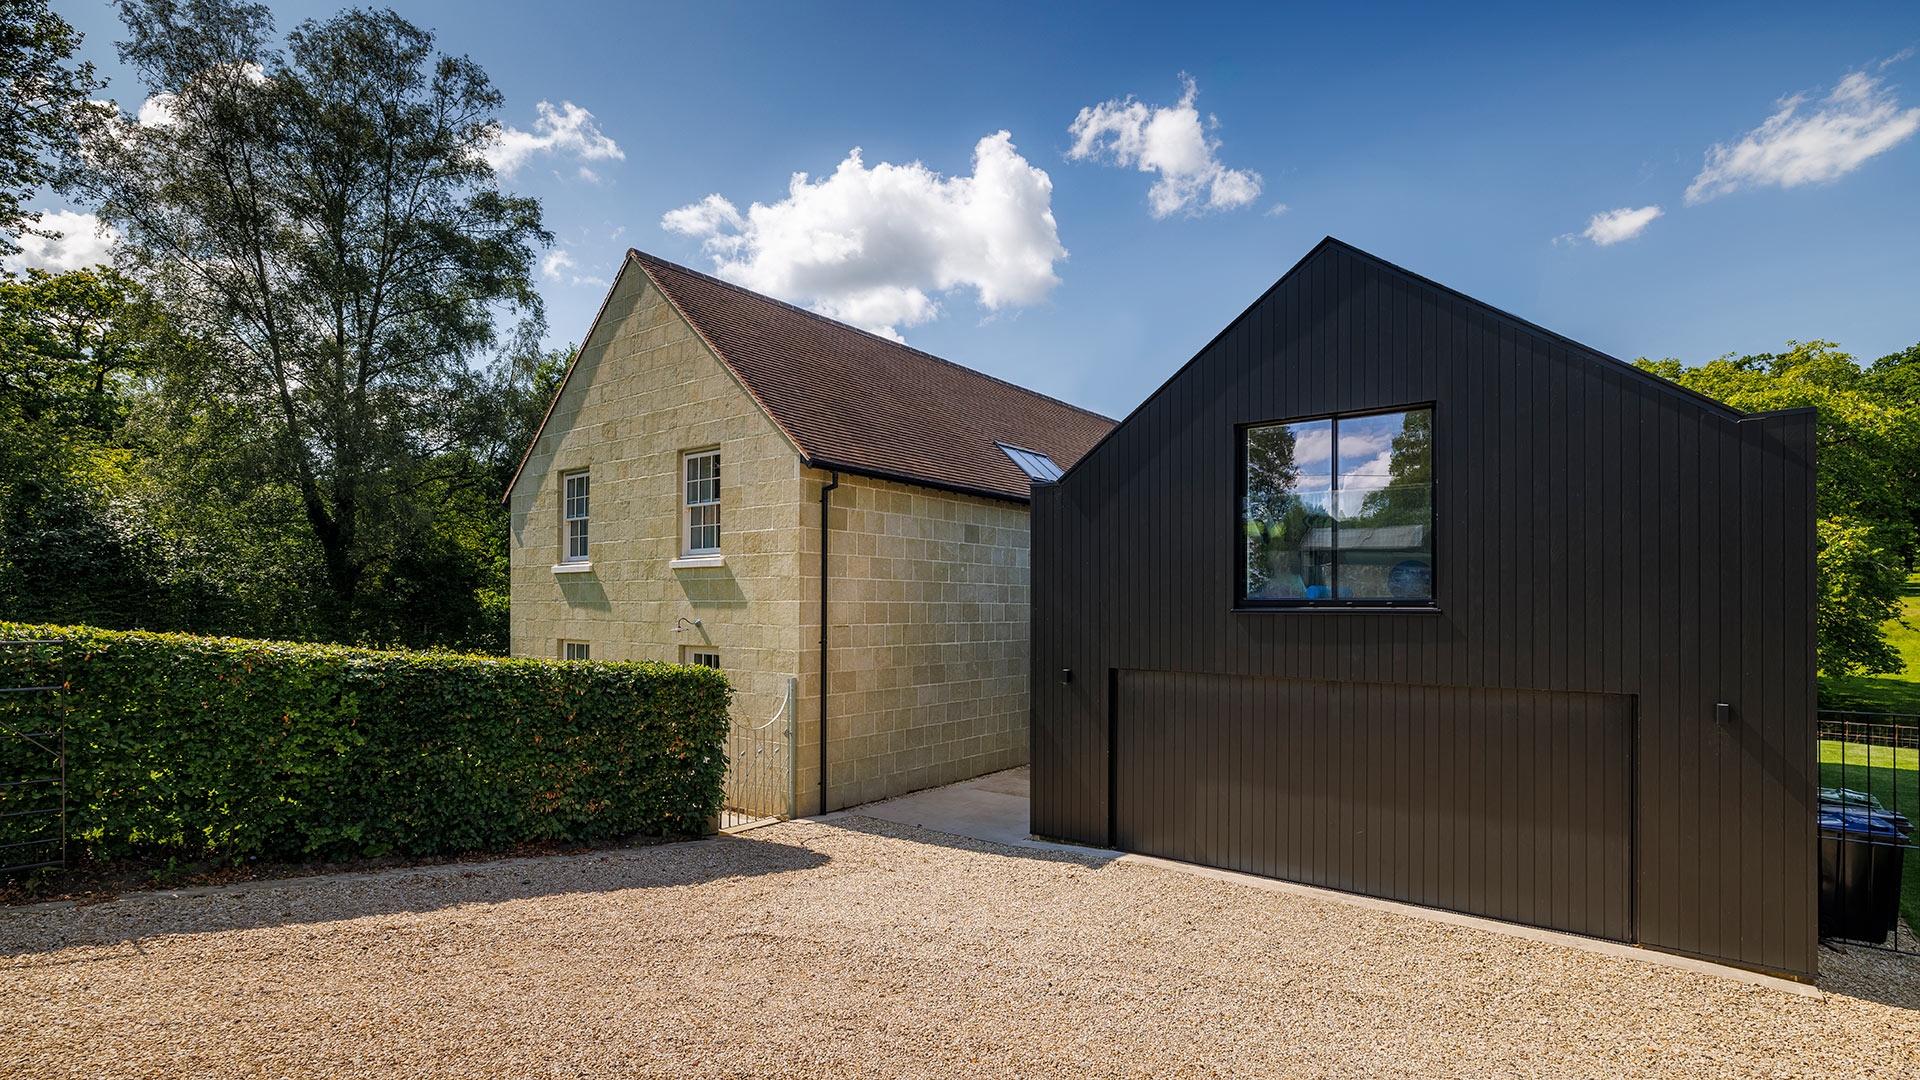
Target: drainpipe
x=825, y=506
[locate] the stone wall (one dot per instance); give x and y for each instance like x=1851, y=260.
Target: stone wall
x=928, y=643
x=644, y=390
x=929, y=590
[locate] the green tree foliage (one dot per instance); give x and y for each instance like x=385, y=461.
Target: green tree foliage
x=1408, y=497
x=324, y=222
x=72, y=541
x=43, y=103
x=1868, y=502
x=203, y=746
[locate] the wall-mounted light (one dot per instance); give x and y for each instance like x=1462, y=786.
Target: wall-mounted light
x=693, y=624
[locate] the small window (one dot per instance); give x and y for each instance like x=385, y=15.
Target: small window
x=574, y=517
x=700, y=521
x=1035, y=464
x=699, y=657
x=1338, y=511
x=575, y=650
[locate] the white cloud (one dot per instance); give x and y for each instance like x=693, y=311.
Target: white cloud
x=1859, y=119
x=568, y=129
x=1171, y=141
x=82, y=242
x=589, y=175
x=557, y=265
x=875, y=247
x=1276, y=209
x=1613, y=226
x=157, y=111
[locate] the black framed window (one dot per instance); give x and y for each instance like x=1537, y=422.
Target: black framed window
x=1337, y=511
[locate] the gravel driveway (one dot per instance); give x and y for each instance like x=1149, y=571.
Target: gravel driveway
x=864, y=948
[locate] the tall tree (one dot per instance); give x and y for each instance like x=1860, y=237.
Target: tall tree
x=43, y=102
x=326, y=219
x=1864, y=440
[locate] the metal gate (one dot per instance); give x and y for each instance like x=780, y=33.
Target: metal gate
x=760, y=766
x=33, y=757
x=1869, y=835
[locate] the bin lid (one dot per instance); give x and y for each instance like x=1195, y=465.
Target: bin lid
x=1859, y=821
x=1850, y=797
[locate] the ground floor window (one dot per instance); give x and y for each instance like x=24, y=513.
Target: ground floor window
x=690, y=654
x=575, y=650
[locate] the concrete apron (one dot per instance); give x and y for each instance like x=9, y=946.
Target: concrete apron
x=994, y=808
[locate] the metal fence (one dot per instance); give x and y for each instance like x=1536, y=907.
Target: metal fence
x=33, y=757
x=1869, y=810
x=761, y=758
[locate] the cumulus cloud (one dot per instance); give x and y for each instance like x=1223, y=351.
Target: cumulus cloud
x=1858, y=120
x=82, y=241
x=876, y=247
x=557, y=265
x=566, y=129
x=1612, y=226
x=1170, y=141
x=158, y=110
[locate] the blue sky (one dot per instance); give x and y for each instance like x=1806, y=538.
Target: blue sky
x=1475, y=149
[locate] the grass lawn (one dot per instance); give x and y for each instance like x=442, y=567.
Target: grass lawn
x=1886, y=693
x=1893, y=776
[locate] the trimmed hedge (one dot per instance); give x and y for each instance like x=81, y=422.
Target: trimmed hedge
x=222, y=746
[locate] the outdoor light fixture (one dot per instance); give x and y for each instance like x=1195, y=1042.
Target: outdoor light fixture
x=679, y=629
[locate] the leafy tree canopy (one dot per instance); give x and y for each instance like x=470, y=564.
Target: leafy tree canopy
x=1867, y=446
x=43, y=101
x=323, y=219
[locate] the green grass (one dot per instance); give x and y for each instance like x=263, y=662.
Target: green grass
x=1886, y=693
x=1892, y=776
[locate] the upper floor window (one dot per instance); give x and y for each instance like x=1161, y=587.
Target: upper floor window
x=1338, y=511
x=700, y=519
x=574, y=517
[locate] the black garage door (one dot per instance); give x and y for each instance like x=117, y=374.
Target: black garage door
x=1507, y=803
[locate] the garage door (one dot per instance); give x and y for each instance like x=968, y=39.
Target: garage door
x=1506, y=803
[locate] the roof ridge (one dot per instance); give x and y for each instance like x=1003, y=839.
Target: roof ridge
x=723, y=283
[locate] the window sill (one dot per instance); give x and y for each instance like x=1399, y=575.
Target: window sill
x=573, y=568
x=1336, y=609
x=697, y=562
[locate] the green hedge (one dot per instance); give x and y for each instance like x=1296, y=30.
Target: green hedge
x=221, y=746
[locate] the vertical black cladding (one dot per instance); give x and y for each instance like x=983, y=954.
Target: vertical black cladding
x=1613, y=556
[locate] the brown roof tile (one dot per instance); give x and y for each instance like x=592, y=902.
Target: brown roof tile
x=859, y=402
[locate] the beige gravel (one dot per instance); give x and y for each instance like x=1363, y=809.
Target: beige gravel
x=863, y=948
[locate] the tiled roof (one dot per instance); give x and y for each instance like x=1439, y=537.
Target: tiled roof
x=859, y=402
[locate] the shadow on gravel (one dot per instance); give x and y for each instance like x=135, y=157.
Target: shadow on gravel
x=288, y=901
x=1870, y=975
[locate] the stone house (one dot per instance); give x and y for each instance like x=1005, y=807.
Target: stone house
x=670, y=508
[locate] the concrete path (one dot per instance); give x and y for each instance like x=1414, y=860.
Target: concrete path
x=991, y=807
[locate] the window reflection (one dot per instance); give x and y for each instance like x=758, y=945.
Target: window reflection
x=1340, y=510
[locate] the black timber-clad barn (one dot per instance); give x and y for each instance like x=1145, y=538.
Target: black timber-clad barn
x=1391, y=592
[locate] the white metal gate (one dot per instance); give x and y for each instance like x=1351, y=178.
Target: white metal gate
x=761, y=781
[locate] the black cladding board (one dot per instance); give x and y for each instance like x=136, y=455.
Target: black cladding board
x=1514, y=804
x=1598, y=532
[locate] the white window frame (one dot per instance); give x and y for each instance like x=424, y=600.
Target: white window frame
x=701, y=656
x=568, y=519
x=688, y=505
x=567, y=649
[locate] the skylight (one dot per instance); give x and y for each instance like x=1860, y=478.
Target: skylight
x=1035, y=464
